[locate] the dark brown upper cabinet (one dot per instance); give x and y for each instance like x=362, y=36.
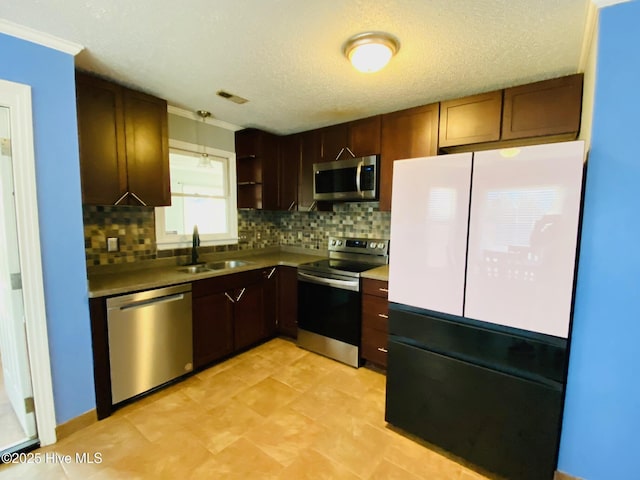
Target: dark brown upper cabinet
x=364, y=136
x=544, y=111
x=124, y=144
x=361, y=137
x=550, y=107
x=257, y=169
x=334, y=139
x=288, y=164
x=281, y=176
x=310, y=152
x=405, y=134
x=474, y=119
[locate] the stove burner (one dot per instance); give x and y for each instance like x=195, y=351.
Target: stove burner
x=340, y=267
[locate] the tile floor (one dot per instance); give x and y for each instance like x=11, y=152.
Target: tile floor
x=274, y=412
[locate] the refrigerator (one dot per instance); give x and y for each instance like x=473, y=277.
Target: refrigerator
x=481, y=283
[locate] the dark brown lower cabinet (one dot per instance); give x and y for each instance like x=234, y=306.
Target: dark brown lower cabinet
x=100, y=346
x=288, y=301
x=248, y=315
x=271, y=276
x=233, y=312
x=228, y=315
x=212, y=328
x=375, y=323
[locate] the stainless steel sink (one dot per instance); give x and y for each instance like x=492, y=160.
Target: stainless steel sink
x=222, y=265
x=194, y=269
x=207, y=267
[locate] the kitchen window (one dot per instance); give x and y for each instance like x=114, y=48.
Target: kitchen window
x=203, y=193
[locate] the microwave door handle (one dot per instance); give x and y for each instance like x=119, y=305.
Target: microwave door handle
x=358, y=172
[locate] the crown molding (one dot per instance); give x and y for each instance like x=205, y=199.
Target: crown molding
x=41, y=38
x=209, y=121
x=590, y=29
x=607, y=3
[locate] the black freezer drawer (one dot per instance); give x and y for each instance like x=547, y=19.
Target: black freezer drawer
x=505, y=424
x=531, y=355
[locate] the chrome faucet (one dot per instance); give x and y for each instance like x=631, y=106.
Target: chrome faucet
x=195, y=245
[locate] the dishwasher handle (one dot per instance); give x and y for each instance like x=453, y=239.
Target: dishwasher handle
x=147, y=297
x=152, y=301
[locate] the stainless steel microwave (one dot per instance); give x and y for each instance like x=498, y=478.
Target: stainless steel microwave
x=354, y=179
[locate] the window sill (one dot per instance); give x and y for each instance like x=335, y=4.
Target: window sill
x=189, y=243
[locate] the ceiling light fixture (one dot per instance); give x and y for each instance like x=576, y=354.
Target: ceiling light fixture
x=370, y=51
x=204, y=156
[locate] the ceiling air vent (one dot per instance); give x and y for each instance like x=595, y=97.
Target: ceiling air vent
x=231, y=97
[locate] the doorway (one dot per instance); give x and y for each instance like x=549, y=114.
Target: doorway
x=17, y=416
x=26, y=396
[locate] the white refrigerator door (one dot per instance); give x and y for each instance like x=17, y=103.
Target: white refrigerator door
x=522, y=236
x=429, y=218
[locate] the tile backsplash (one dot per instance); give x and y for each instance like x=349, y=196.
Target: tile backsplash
x=135, y=229
x=133, y=226
x=313, y=229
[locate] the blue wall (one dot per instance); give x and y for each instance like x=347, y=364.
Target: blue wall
x=601, y=429
x=51, y=76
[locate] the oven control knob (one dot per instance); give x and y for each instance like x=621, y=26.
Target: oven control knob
x=339, y=243
x=381, y=245
x=373, y=244
x=333, y=243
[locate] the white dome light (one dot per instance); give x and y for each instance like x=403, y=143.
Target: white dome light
x=371, y=51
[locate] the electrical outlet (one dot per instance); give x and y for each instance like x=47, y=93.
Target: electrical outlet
x=258, y=235
x=112, y=244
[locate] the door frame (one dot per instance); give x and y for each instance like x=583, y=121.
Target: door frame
x=18, y=98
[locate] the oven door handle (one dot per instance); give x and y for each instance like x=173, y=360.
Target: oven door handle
x=353, y=285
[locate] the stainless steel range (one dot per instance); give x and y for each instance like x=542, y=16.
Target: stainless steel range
x=329, y=298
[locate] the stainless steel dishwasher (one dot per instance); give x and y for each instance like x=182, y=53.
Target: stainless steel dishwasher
x=150, y=339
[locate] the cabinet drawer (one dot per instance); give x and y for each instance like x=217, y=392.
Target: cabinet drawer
x=374, y=346
x=378, y=288
x=505, y=424
x=375, y=313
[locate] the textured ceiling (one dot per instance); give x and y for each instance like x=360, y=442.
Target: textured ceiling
x=285, y=56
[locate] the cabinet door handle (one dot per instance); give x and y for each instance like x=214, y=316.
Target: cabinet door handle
x=241, y=294
x=293, y=204
x=383, y=350
x=312, y=206
x=382, y=315
x=138, y=199
x=273, y=270
x=348, y=150
x=229, y=297
x=385, y=290
x=124, y=195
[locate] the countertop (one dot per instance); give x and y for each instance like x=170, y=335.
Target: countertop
x=121, y=279
x=378, y=273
